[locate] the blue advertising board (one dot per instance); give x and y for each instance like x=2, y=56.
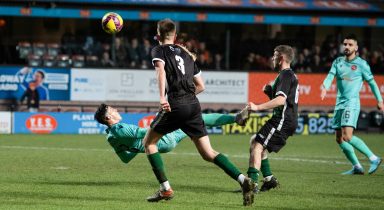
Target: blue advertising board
x=69, y=122
x=51, y=83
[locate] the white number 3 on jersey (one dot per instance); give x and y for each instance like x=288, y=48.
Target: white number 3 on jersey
x=180, y=64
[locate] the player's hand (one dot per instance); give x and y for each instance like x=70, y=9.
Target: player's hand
x=380, y=106
x=25, y=70
x=165, y=105
x=323, y=93
x=252, y=107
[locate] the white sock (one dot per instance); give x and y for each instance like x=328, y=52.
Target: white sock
x=241, y=178
x=165, y=186
x=373, y=158
x=268, y=178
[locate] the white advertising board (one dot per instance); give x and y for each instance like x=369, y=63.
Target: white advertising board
x=5, y=122
x=225, y=87
x=141, y=85
x=88, y=84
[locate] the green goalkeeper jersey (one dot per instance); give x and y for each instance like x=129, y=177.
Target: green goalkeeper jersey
x=349, y=78
x=126, y=140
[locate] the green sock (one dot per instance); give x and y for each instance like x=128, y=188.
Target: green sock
x=216, y=119
x=349, y=152
x=157, y=166
x=359, y=144
x=223, y=162
x=253, y=173
x=265, y=168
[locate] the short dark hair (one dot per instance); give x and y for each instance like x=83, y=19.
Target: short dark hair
x=351, y=36
x=165, y=27
x=100, y=114
x=41, y=72
x=287, y=51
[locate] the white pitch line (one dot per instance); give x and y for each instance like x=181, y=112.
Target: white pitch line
x=244, y=156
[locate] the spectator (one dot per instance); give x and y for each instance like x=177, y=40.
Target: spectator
x=121, y=53
x=33, y=99
x=106, y=60
x=218, y=62
x=145, y=54
x=134, y=53
x=68, y=42
x=250, y=63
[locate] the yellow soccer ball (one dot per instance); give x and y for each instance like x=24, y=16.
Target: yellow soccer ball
x=112, y=23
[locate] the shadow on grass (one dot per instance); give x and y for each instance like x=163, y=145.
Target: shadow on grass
x=88, y=183
x=49, y=195
x=346, y=194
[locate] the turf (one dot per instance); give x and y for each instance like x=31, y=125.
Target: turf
x=82, y=172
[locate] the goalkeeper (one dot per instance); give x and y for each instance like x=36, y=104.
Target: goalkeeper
x=126, y=139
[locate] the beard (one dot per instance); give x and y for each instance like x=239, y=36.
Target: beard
x=348, y=52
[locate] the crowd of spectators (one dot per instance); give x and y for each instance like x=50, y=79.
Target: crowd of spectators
x=135, y=53
x=317, y=58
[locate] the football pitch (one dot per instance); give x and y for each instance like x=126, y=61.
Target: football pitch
x=82, y=172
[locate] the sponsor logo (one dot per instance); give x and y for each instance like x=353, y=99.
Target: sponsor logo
x=146, y=121
x=81, y=80
x=41, y=123
x=353, y=67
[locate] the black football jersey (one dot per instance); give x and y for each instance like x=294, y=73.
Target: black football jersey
x=180, y=69
x=285, y=116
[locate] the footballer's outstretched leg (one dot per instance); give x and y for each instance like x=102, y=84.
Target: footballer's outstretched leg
x=242, y=117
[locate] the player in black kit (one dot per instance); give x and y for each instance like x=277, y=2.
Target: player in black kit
x=272, y=136
x=179, y=80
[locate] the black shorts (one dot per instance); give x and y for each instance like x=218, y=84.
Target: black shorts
x=271, y=138
x=186, y=117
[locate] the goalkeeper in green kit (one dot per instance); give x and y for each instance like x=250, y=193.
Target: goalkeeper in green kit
x=350, y=72
x=126, y=139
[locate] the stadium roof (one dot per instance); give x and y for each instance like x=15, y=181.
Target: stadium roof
x=344, y=5
x=203, y=11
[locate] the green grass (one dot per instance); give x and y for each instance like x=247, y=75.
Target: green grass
x=82, y=172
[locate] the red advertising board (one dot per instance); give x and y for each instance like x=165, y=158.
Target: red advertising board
x=310, y=88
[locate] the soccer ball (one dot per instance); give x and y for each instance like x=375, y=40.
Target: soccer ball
x=112, y=23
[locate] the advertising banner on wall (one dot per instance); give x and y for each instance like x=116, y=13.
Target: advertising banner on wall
x=5, y=122
x=70, y=122
x=141, y=85
x=310, y=89
x=312, y=123
x=51, y=83
x=225, y=87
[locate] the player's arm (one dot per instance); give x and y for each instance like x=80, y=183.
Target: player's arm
x=161, y=78
x=376, y=92
x=199, y=84
x=121, y=150
x=328, y=80
x=282, y=90
x=158, y=61
x=278, y=101
x=126, y=156
x=198, y=80
x=368, y=76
